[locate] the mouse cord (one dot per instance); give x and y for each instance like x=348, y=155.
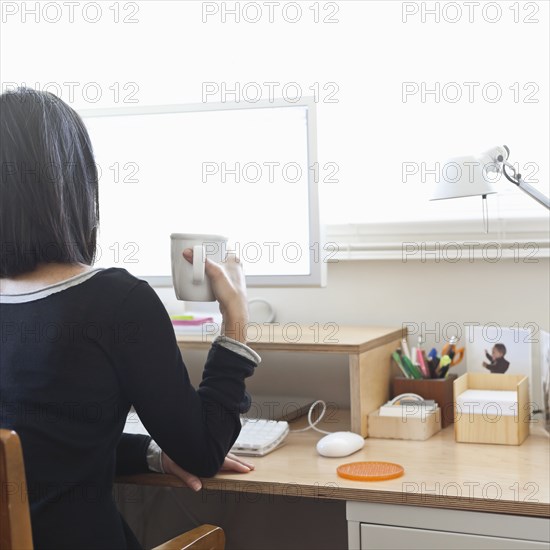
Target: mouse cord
x=312, y=423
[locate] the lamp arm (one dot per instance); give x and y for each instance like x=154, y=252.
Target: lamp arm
x=535, y=193
x=516, y=179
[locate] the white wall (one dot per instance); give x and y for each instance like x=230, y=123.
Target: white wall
x=391, y=293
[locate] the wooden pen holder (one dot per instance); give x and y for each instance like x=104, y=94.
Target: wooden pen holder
x=438, y=389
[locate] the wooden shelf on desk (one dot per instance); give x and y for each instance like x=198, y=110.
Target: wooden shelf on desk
x=368, y=348
x=308, y=338
x=438, y=473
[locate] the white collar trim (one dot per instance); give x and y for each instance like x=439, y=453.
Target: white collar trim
x=48, y=290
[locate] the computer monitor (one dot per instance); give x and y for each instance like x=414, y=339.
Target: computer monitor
x=244, y=170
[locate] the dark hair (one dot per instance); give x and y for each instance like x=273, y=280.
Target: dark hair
x=49, y=208
x=501, y=348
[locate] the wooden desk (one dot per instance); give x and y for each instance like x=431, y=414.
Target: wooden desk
x=368, y=349
x=439, y=473
x=462, y=489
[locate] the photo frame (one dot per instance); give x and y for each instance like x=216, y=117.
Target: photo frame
x=500, y=350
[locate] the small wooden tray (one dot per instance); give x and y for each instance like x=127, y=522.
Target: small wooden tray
x=391, y=427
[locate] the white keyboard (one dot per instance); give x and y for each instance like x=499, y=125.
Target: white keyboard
x=259, y=437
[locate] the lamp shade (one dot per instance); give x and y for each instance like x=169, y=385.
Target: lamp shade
x=466, y=177
x=470, y=176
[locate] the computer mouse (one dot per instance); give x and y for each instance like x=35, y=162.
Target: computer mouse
x=340, y=444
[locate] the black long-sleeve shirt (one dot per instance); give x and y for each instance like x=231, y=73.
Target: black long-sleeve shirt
x=72, y=362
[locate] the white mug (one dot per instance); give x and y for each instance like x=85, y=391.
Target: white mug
x=190, y=280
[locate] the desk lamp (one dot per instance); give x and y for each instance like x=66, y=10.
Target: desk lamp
x=471, y=176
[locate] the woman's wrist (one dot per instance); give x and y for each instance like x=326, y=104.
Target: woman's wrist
x=234, y=326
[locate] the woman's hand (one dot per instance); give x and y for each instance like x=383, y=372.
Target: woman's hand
x=229, y=287
x=231, y=463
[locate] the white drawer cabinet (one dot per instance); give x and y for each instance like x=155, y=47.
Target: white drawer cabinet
x=394, y=527
x=389, y=537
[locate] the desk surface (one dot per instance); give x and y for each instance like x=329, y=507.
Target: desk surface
x=438, y=473
x=316, y=337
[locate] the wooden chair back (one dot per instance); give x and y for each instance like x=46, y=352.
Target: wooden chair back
x=204, y=537
x=15, y=520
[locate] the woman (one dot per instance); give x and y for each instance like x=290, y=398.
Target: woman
x=80, y=345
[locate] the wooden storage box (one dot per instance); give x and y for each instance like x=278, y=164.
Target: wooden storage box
x=392, y=427
x=438, y=389
x=492, y=426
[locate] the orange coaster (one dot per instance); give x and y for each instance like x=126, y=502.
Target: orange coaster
x=370, y=471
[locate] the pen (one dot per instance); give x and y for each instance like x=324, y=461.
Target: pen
x=422, y=363
x=405, y=348
x=399, y=363
x=413, y=368
x=445, y=361
x=432, y=365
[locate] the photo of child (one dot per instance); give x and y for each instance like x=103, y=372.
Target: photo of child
x=497, y=363
x=499, y=350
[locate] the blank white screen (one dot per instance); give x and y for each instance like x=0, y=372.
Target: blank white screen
x=154, y=182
